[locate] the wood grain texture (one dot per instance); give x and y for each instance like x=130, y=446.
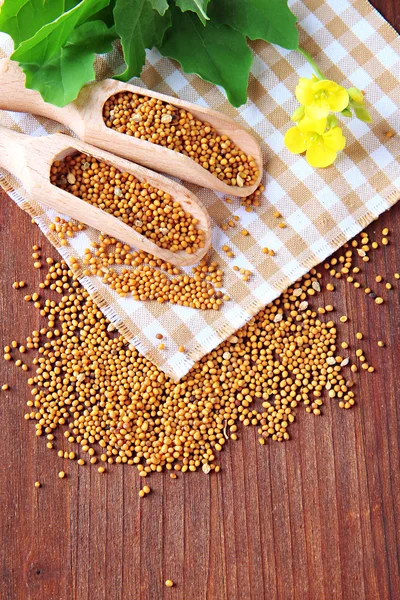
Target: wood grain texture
x=315, y=518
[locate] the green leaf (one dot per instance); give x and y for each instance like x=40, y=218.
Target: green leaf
x=60, y=77
x=219, y=55
x=105, y=14
x=21, y=19
x=269, y=20
x=50, y=39
x=197, y=6
x=160, y=5
x=139, y=27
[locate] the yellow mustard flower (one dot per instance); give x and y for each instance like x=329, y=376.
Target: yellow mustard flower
x=321, y=96
x=310, y=136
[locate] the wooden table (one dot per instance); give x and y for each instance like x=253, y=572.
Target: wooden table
x=317, y=517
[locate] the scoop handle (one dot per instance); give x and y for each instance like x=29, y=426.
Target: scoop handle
x=12, y=155
x=15, y=96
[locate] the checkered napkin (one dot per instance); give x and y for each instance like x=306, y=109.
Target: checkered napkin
x=322, y=209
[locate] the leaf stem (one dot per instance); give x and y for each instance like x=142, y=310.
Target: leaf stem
x=312, y=62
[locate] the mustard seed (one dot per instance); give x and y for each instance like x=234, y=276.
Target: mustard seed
x=381, y=344
x=37, y=484
x=385, y=231
x=61, y=474
x=378, y=300
x=359, y=335
x=169, y=583
x=5, y=387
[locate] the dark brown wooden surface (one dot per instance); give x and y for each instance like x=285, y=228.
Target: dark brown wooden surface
x=317, y=517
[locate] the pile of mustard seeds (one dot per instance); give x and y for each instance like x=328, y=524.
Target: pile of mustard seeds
x=117, y=407
x=152, y=278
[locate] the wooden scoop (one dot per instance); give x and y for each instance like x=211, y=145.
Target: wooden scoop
x=84, y=116
x=30, y=159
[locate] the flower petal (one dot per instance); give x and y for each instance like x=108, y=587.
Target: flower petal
x=298, y=114
x=304, y=91
x=296, y=141
x=334, y=139
x=320, y=156
x=339, y=100
x=337, y=96
x=319, y=110
x=308, y=124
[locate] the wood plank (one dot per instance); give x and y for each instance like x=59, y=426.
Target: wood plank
x=317, y=517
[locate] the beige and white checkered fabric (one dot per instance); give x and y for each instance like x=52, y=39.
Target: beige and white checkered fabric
x=353, y=45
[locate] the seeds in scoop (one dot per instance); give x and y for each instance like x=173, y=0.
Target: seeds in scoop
x=174, y=128
x=150, y=211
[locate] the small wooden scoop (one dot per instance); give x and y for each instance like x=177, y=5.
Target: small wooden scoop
x=84, y=116
x=30, y=159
